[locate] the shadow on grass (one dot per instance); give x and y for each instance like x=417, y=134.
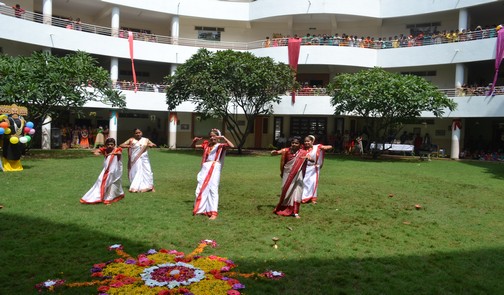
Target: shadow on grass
x=34, y=250
x=368, y=158
x=230, y=152
x=494, y=168
x=69, y=154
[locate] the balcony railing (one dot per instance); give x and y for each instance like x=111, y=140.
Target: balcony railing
x=317, y=91
x=275, y=42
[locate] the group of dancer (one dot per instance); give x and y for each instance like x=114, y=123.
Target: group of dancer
x=299, y=169
x=108, y=187
x=300, y=166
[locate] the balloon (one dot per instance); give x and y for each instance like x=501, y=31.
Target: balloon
x=3, y=117
x=4, y=125
x=2, y=131
x=7, y=131
x=23, y=139
x=29, y=125
x=26, y=129
x=28, y=138
x=14, y=140
x=32, y=131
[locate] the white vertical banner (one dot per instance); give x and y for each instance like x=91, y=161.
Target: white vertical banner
x=46, y=133
x=113, y=124
x=455, y=142
x=172, y=130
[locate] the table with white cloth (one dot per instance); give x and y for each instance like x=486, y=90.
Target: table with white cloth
x=394, y=147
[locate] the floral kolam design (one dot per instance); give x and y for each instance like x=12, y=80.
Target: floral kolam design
x=164, y=272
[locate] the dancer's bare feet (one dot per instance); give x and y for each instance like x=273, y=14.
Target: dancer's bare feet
x=297, y=216
x=213, y=217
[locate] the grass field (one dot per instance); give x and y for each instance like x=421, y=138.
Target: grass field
x=363, y=237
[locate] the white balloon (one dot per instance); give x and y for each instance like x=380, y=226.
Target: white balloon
x=23, y=139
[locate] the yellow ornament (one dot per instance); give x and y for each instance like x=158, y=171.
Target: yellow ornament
x=7, y=131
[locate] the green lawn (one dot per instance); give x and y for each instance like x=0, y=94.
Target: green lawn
x=357, y=240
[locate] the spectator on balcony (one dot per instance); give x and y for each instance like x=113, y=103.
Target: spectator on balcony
x=306, y=40
x=267, y=42
x=18, y=11
x=78, y=24
x=70, y=24
x=478, y=32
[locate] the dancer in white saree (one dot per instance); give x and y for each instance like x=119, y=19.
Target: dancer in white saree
x=207, y=191
x=139, y=168
x=108, y=186
x=311, y=177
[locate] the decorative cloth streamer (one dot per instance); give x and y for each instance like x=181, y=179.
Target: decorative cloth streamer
x=130, y=41
x=499, y=56
x=294, y=46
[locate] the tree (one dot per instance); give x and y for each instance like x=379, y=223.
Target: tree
x=49, y=85
x=386, y=100
x=225, y=83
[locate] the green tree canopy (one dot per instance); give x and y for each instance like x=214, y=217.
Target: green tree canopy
x=386, y=100
x=223, y=84
x=50, y=85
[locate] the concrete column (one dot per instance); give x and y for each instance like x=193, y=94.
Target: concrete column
x=46, y=133
x=173, y=68
x=172, y=130
x=175, y=29
x=47, y=12
x=114, y=116
x=115, y=21
x=463, y=19
x=455, y=140
x=114, y=70
x=459, y=78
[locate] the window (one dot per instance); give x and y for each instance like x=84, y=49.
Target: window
x=209, y=33
x=421, y=73
x=426, y=28
x=303, y=126
x=278, y=122
x=265, y=125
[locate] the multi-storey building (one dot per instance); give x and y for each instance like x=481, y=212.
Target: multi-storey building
x=451, y=43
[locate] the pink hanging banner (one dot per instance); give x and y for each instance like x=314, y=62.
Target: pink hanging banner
x=499, y=56
x=130, y=41
x=294, y=46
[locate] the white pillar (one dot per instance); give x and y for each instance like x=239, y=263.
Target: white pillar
x=115, y=22
x=172, y=131
x=175, y=29
x=459, y=74
x=455, y=140
x=114, y=70
x=463, y=19
x=47, y=12
x=46, y=133
x=173, y=68
x=114, y=116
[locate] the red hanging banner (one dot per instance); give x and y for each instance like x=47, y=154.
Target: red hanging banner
x=294, y=46
x=499, y=56
x=130, y=41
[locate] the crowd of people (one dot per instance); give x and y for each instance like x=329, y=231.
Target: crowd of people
x=401, y=40
x=83, y=137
